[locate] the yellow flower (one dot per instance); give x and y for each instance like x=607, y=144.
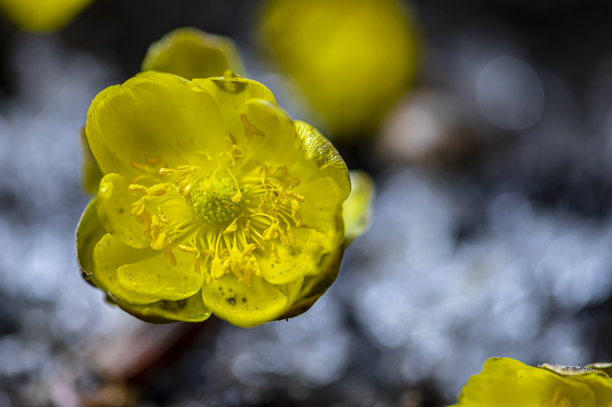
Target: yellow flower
x=212, y=201
x=192, y=53
x=42, y=15
x=352, y=59
x=506, y=382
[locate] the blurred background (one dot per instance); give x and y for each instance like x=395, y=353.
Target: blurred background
x=486, y=126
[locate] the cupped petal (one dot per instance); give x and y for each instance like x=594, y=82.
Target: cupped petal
x=114, y=211
x=88, y=234
x=322, y=203
x=109, y=255
x=319, y=150
x=251, y=116
x=248, y=305
x=596, y=378
x=192, y=53
x=293, y=261
x=157, y=276
x=316, y=284
x=152, y=120
x=497, y=386
x=605, y=367
x=508, y=382
x=191, y=309
x=357, y=209
x=275, y=140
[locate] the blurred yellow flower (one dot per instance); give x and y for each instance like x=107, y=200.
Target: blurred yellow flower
x=212, y=201
x=506, y=382
x=42, y=15
x=192, y=53
x=352, y=59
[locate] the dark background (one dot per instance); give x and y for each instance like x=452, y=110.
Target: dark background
x=493, y=240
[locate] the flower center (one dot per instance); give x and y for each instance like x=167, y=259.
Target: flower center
x=218, y=200
x=238, y=219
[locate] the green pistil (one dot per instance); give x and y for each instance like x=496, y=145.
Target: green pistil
x=213, y=201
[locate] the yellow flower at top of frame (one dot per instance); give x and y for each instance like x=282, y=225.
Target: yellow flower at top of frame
x=352, y=59
x=42, y=15
x=212, y=201
x=506, y=382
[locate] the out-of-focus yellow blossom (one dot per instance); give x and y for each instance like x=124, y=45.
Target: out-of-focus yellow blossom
x=192, y=53
x=212, y=201
x=42, y=15
x=506, y=382
x=352, y=59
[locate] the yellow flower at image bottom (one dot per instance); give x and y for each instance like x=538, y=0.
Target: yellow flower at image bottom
x=212, y=201
x=506, y=382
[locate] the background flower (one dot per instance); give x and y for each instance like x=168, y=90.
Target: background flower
x=352, y=60
x=42, y=15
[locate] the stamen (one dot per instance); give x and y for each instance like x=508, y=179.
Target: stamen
x=249, y=128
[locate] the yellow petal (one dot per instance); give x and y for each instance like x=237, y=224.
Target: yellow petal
x=593, y=376
x=278, y=142
x=322, y=202
x=247, y=306
x=192, y=53
x=295, y=261
x=42, y=15
x=191, y=309
x=357, y=209
x=254, y=120
x=315, y=285
x=505, y=382
x=156, y=276
x=154, y=119
x=109, y=255
x=316, y=148
x=114, y=212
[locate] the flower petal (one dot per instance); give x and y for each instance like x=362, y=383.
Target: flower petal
x=192, y=53
x=322, y=202
x=114, y=212
x=316, y=148
x=109, y=255
x=156, y=276
x=191, y=309
x=248, y=305
x=357, y=209
x=154, y=119
x=507, y=382
x=295, y=261
x=89, y=232
x=315, y=285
